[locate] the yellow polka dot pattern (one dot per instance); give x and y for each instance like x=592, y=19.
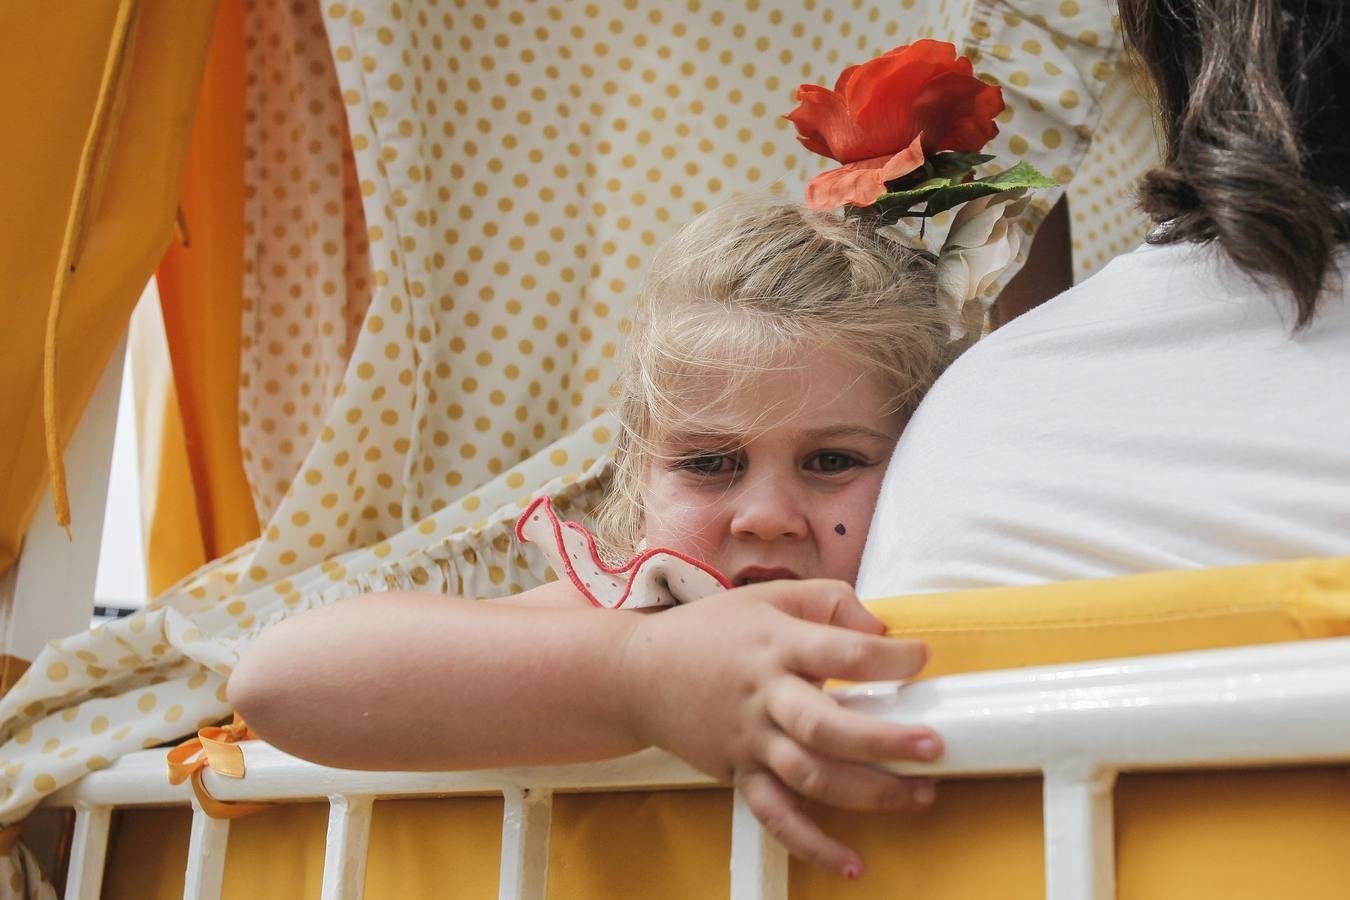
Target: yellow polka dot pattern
x=89, y=698
x=21, y=876
x=159, y=675
x=1102, y=199
x=306, y=271
x=512, y=168
x=1072, y=110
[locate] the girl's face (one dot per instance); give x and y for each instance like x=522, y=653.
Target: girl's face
x=780, y=480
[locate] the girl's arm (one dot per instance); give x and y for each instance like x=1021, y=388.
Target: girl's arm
x=414, y=681
x=730, y=684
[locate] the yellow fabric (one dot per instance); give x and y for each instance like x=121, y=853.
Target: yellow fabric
x=418, y=848
x=201, y=290
x=51, y=71
x=640, y=844
x=169, y=523
x=1142, y=614
x=443, y=848
x=89, y=176
x=148, y=848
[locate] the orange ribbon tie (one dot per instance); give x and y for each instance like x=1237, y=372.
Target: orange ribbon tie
x=218, y=748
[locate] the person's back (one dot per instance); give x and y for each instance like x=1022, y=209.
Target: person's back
x=1158, y=416
x=1187, y=406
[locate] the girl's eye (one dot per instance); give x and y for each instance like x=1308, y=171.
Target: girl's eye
x=708, y=464
x=831, y=462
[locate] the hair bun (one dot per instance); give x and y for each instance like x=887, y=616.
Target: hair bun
x=1165, y=194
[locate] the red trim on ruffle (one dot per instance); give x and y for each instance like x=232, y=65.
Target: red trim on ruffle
x=627, y=568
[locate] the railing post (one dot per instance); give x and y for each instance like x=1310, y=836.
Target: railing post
x=759, y=863
x=88, y=848
x=526, y=816
x=344, y=862
x=1080, y=862
x=206, y=856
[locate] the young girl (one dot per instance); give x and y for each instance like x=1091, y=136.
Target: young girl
x=776, y=356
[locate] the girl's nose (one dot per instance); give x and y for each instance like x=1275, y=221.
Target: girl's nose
x=768, y=510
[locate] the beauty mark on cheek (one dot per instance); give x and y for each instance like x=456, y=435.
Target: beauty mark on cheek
x=840, y=529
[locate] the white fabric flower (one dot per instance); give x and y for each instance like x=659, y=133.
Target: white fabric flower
x=908, y=232
x=983, y=240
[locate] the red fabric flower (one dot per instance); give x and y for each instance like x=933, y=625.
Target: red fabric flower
x=883, y=117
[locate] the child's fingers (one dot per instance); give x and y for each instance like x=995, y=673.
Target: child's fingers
x=812, y=719
x=822, y=601
x=774, y=807
x=843, y=784
x=835, y=653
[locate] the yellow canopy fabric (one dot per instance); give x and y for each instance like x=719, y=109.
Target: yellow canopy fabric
x=52, y=71
x=201, y=282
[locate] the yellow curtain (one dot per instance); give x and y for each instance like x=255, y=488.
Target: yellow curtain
x=200, y=507
x=53, y=70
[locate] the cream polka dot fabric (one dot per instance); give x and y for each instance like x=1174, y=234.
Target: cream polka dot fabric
x=432, y=323
x=21, y=877
x=1102, y=193
x=306, y=266
x=1073, y=110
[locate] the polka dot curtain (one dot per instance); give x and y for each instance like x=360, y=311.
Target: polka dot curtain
x=431, y=320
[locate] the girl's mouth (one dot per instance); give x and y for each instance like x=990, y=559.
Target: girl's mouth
x=756, y=574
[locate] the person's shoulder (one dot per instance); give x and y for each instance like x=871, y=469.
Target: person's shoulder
x=1134, y=287
x=1031, y=360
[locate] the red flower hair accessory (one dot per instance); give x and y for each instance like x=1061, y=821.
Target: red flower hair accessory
x=908, y=127
x=884, y=117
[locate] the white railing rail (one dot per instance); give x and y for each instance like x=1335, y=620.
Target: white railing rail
x=1076, y=725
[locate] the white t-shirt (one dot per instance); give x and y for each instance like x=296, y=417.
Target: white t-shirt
x=1160, y=415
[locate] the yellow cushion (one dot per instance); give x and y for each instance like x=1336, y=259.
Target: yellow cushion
x=1179, y=835
x=1163, y=612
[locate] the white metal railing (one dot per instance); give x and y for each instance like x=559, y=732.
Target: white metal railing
x=1076, y=725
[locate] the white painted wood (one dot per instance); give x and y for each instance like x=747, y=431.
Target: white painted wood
x=759, y=863
x=527, y=814
x=138, y=779
x=49, y=592
x=1266, y=705
x=1080, y=862
x=1248, y=706
x=206, y=856
x=88, y=849
x=344, y=862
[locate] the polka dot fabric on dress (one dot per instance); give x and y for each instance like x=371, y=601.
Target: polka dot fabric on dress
x=1102, y=199
x=513, y=166
x=1073, y=110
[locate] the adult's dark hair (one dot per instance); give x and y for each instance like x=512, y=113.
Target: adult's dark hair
x=1254, y=97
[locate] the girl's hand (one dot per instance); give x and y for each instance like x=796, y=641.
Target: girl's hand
x=731, y=684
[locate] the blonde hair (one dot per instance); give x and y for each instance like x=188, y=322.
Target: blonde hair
x=742, y=289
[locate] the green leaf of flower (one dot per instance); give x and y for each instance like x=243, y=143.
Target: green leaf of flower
x=939, y=197
x=953, y=164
